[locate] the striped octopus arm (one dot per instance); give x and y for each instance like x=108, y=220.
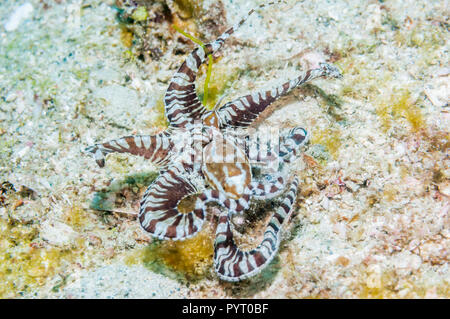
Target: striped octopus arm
x=159, y=214
x=291, y=142
x=268, y=189
x=155, y=148
x=233, y=264
x=182, y=105
x=244, y=110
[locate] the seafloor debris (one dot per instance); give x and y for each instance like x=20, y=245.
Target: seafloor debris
x=146, y=25
x=5, y=189
x=9, y=194
x=438, y=90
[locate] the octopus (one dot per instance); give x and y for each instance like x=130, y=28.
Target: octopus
x=201, y=160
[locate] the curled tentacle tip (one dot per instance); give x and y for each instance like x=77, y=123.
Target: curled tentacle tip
x=90, y=149
x=97, y=154
x=330, y=70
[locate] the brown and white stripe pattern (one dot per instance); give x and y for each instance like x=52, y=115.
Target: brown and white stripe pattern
x=244, y=110
x=267, y=189
x=155, y=148
x=158, y=213
x=232, y=206
x=182, y=105
x=269, y=152
x=291, y=143
x=159, y=216
x=233, y=264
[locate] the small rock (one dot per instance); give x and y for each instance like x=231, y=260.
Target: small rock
x=94, y=240
x=444, y=188
x=122, y=103
x=311, y=59
x=22, y=152
x=164, y=76
x=353, y=187
x=109, y=253
x=21, y=13
x=343, y=261
x=17, y=203
x=11, y=97
x=118, y=96
x=57, y=233
x=438, y=91
x=107, y=74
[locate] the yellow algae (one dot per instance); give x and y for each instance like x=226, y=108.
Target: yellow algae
x=404, y=171
x=215, y=83
x=140, y=14
x=349, y=91
x=329, y=138
x=190, y=258
x=385, y=286
x=362, y=80
x=188, y=26
x=25, y=263
x=389, y=193
x=76, y=217
x=189, y=36
x=126, y=36
x=118, y=163
x=221, y=79
x=379, y=284
x=400, y=106
x=426, y=36
x=400, y=38
x=161, y=120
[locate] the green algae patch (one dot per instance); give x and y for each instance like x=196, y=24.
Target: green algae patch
x=400, y=106
x=187, y=260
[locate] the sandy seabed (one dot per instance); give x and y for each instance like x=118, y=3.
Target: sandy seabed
x=371, y=219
